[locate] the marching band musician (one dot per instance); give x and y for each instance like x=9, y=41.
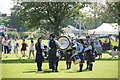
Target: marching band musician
x=91, y=54
x=68, y=54
x=87, y=42
x=81, y=55
x=53, y=59
x=39, y=56
x=50, y=38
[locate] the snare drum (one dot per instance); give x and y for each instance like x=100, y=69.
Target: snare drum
x=76, y=59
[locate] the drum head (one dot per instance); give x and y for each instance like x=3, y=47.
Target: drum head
x=64, y=42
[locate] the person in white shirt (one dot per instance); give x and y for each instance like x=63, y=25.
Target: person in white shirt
x=9, y=45
x=31, y=49
x=16, y=45
x=6, y=46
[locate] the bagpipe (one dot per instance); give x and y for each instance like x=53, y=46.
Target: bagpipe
x=66, y=43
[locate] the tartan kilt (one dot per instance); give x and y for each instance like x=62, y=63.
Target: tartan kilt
x=91, y=58
x=52, y=55
x=68, y=57
x=86, y=56
x=82, y=57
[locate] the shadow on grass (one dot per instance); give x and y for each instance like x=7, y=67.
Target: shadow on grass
x=107, y=59
x=39, y=72
x=63, y=69
x=75, y=71
x=46, y=61
x=29, y=71
x=21, y=61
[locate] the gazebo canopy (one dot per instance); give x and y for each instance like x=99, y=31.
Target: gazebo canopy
x=105, y=28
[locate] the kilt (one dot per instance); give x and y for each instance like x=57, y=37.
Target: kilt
x=86, y=56
x=39, y=57
x=52, y=55
x=82, y=57
x=68, y=57
x=91, y=57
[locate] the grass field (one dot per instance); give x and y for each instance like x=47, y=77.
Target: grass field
x=27, y=68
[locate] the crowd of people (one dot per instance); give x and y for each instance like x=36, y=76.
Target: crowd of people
x=7, y=46
x=85, y=51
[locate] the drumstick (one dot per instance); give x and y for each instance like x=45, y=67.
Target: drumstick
x=74, y=54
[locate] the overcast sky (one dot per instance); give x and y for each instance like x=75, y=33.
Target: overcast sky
x=5, y=6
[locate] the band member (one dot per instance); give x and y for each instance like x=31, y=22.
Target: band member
x=91, y=54
x=53, y=59
x=81, y=55
x=50, y=38
x=68, y=54
x=87, y=42
x=23, y=49
x=39, y=57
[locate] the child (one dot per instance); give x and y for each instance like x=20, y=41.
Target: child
x=23, y=49
x=31, y=49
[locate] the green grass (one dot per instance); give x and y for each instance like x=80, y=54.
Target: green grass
x=27, y=68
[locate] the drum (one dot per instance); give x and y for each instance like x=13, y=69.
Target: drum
x=64, y=42
x=76, y=59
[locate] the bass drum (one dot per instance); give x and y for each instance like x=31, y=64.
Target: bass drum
x=65, y=42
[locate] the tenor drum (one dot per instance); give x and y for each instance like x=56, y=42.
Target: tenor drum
x=76, y=59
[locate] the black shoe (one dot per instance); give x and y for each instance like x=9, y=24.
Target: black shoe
x=69, y=68
x=90, y=70
x=40, y=70
x=53, y=71
x=56, y=71
x=79, y=71
x=50, y=68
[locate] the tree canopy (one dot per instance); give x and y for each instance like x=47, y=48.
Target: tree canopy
x=48, y=15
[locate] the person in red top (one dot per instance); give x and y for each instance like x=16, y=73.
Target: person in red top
x=23, y=49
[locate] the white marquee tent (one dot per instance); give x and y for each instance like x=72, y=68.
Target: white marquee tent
x=105, y=28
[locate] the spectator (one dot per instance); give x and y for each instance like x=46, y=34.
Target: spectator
x=31, y=49
x=6, y=46
x=23, y=49
x=16, y=45
x=9, y=45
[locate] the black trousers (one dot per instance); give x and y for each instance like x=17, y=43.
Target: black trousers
x=39, y=66
x=6, y=49
x=54, y=65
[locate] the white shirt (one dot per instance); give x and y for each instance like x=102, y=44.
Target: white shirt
x=32, y=46
x=6, y=43
x=15, y=43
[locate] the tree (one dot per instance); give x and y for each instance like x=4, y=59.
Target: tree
x=48, y=15
x=12, y=22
